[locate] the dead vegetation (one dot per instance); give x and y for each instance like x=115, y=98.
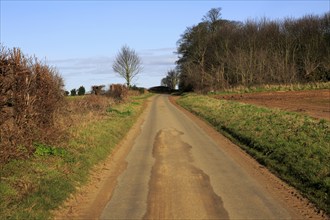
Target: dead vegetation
x=118, y=91
x=30, y=96
x=34, y=110
x=98, y=90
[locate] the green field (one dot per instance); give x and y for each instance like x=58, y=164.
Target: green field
x=293, y=146
x=30, y=188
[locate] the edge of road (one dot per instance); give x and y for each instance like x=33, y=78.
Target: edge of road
x=287, y=195
x=89, y=200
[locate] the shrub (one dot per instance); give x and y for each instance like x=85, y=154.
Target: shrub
x=73, y=92
x=98, y=90
x=81, y=90
x=141, y=90
x=30, y=95
x=118, y=91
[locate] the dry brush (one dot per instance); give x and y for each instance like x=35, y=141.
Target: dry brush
x=30, y=96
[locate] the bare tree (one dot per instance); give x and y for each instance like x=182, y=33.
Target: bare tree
x=171, y=80
x=212, y=18
x=212, y=15
x=127, y=64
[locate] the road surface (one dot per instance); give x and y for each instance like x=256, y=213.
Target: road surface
x=175, y=170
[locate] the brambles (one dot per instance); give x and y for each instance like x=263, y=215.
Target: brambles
x=30, y=95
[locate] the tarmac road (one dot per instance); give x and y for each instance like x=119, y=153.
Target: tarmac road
x=175, y=170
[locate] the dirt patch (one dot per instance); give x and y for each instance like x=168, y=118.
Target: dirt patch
x=175, y=180
x=315, y=103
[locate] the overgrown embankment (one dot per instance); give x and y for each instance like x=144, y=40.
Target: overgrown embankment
x=30, y=188
x=294, y=146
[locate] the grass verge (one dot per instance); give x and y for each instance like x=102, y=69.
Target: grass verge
x=31, y=188
x=293, y=146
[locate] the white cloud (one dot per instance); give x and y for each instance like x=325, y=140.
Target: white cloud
x=90, y=71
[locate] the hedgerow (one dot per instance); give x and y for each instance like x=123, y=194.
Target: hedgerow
x=30, y=95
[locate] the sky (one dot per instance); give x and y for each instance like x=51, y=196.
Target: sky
x=82, y=38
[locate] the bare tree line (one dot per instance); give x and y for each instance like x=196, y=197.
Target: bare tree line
x=217, y=54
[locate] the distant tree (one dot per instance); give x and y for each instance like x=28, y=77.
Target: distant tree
x=81, y=90
x=165, y=82
x=171, y=80
x=67, y=93
x=73, y=92
x=212, y=17
x=127, y=64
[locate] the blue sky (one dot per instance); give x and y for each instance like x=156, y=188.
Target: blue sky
x=82, y=38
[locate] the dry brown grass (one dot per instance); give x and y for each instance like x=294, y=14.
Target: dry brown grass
x=80, y=111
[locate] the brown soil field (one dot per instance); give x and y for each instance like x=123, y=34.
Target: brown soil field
x=315, y=103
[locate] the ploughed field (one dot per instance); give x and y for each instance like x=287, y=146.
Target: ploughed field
x=315, y=103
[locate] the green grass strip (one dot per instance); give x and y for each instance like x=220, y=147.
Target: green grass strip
x=31, y=188
x=293, y=146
